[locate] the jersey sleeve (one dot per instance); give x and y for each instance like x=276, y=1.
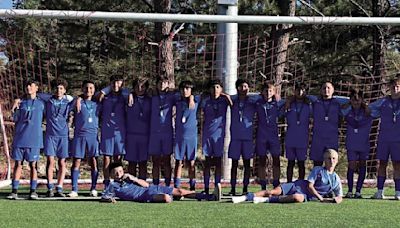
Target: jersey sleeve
x=44, y=96
x=109, y=193
x=342, y=99
x=338, y=189
x=312, y=98
x=281, y=107
x=312, y=177
x=345, y=111
x=375, y=107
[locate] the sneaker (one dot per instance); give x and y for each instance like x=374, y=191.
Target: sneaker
x=231, y=193
x=260, y=199
x=238, y=199
x=93, y=193
x=349, y=195
x=59, y=194
x=49, y=193
x=72, y=194
x=33, y=196
x=12, y=196
x=217, y=192
x=357, y=195
x=378, y=195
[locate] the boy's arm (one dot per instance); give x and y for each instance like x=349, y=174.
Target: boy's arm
x=228, y=99
x=313, y=191
x=375, y=108
x=136, y=180
x=108, y=195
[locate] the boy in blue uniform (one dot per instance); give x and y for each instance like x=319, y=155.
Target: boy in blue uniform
x=112, y=144
x=56, y=142
x=85, y=142
x=388, y=110
x=359, y=124
x=186, y=134
x=214, y=109
x=138, y=129
x=268, y=112
x=297, y=134
x=322, y=184
x=130, y=188
x=28, y=123
x=242, y=115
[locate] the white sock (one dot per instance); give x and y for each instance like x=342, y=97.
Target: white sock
x=261, y=200
x=238, y=199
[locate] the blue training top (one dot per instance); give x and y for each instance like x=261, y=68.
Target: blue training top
x=125, y=190
x=388, y=110
x=186, y=118
x=242, y=117
x=87, y=120
x=298, y=121
x=268, y=114
x=214, y=117
x=138, y=116
x=325, y=183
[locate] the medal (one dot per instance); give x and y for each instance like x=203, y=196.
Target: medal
x=240, y=116
x=394, y=118
x=355, y=130
x=90, y=119
x=298, y=122
x=56, y=119
x=141, y=114
x=326, y=118
x=161, y=113
x=183, y=119
x=113, y=114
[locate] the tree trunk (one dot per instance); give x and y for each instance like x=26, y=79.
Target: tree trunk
x=164, y=54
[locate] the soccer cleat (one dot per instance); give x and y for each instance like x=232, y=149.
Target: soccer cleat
x=93, y=193
x=357, y=195
x=12, y=196
x=217, y=192
x=349, y=195
x=49, y=193
x=33, y=196
x=238, y=199
x=260, y=199
x=378, y=195
x=59, y=194
x=72, y=194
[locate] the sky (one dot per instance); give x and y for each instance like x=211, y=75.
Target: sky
x=5, y=4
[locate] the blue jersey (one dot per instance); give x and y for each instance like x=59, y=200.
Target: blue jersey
x=138, y=116
x=242, y=117
x=214, y=117
x=113, y=115
x=87, y=120
x=325, y=183
x=57, y=113
x=125, y=190
x=298, y=121
x=388, y=110
x=358, y=129
x=186, y=119
x=28, y=124
x=161, y=112
x=268, y=114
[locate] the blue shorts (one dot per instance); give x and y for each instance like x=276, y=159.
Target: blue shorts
x=267, y=146
x=82, y=145
x=156, y=190
x=186, y=149
x=318, y=147
x=213, y=147
x=56, y=146
x=299, y=154
x=357, y=155
x=386, y=149
x=137, y=148
x=160, y=144
x=241, y=147
x=113, y=146
x=25, y=154
x=297, y=187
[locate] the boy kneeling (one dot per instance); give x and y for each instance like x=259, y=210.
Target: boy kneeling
x=130, y=188
x=322, y=184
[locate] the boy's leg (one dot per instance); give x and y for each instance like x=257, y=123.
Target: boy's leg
x=167, y=169
x=49, y=174
x=156, y=169
x=192, y=174
x=260, y=194
x=94, y=175
x=132, y=168
x=76, y=163
x=16, y=177
x=106, y=173
x=207, y=168
x=289, y=170
x=62, y=166
x=178, y=173
x=143, y=170
x=362, y=172
x=246, y=176
x=276, y=170
x=161, y=198
x=262, y=162
x=396, y=177
x=302, y=169
x=350, y=178
x=33, y=166
x=235, y=164
x=218, y=170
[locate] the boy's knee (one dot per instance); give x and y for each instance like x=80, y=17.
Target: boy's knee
x=167, y=198
x=298, y=198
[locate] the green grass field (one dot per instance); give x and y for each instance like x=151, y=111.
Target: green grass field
x=187, y=213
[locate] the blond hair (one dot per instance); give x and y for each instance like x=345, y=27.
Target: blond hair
x=331, y=152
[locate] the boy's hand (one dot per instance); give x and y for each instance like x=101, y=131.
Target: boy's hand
x=78, y=105
x=131, y=100
x=192, y=104
x=108, y=200
x=101, y=97
x=16, y=104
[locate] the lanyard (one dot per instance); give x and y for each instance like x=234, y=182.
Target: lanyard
x=89, y=108
x=326, y=109
x=241, y=108
x=58, y=104
x=114, y=105
x=29, y=109
x=267, y=106
x=357, y=118
x=298, y=111
x=185, y=110
x=215, y=106
x=140, y=101
x=395, y=109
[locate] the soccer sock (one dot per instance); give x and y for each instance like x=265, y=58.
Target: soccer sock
x=350, y=179
x=106, y=183
x=15, y=185
x=75, y=176
x=192, y=184
x=361, y=177
x=233, y=183
x=206, y=183
x=274, y=199
x=263, y=183
x=156, y=181
x=275, y=183
x=246, y=182
x=168, y=181
x=397, y=184
x=177, y=182
x=249, y=196
x=381, y=182
x=33, y=185
x=50, y=186
x=217, y=179
x=59, y=188
x=94, y=175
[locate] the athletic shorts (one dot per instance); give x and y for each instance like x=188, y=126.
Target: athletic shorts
x=357, y=155
x=82, y=145
x=245, y=148
x=186, y=149
x=156, y=190
x=25, y=154
x=56, y=146
x=137, y=148
x=113, y=146
x=268, y=146
x=297, y=187
x=213, y=147
x=299, y=154
x=160, y=144
x=386, y=149
x=318, y=147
